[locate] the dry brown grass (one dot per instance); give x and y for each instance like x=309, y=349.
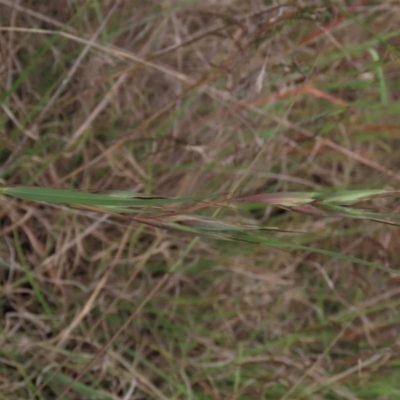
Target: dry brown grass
x=179, y=98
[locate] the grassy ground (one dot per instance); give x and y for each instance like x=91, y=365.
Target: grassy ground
x=198, y=98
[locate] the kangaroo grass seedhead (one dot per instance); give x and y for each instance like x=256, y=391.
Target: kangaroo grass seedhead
x=155, y=211
x=334, y=204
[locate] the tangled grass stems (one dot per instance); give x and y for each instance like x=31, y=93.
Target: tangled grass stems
x=269, y=292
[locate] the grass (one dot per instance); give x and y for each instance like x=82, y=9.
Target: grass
x=199, y=200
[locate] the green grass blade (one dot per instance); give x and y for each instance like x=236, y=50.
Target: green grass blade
x=288, y=245
x=33, y=193
x=353, y=196
x=380, y=76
